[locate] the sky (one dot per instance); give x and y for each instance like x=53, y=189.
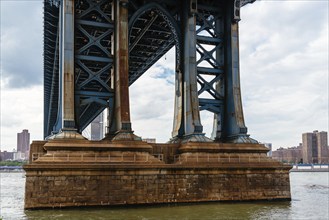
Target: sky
x=283, y=67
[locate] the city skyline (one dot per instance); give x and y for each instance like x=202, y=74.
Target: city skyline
x=284, y=75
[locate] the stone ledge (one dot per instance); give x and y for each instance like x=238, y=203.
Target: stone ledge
x=108, y=166
x=104, y=145
x=214, y=147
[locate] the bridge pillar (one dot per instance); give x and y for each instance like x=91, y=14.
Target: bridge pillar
x=68, y=129
x=119, y=121
x=234, y=129
x=191, y=128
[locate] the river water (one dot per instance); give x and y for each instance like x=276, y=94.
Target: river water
x=310, y=200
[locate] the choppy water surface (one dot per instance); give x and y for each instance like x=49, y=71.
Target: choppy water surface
x=310, y=200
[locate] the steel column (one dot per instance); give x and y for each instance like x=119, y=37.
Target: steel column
x=191, y=102
x=234, y=129
x=68, y=129
x=68, y=64
x=121, y=125
x=186, y=83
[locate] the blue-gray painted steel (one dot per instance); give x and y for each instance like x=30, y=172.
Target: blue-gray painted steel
x=52, y=102
x=93, y=59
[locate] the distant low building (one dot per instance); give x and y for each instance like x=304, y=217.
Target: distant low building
x=5, y=155
x=18, y=156
x=149, y=140
x=289, y=155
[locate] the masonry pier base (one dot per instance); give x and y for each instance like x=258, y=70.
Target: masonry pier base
x=103, y=173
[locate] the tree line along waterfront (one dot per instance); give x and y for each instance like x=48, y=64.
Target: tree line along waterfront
x=12, y=163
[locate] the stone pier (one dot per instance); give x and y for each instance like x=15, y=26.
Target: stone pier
x=103, y=173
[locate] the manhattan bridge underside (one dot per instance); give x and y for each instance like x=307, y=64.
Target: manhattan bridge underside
x=203, y=32
x=93, y=51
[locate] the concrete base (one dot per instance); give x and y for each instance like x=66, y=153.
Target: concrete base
x=94, y=173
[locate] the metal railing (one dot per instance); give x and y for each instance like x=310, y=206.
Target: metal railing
x=221, y=158
x=145, y=157
x=93, y=157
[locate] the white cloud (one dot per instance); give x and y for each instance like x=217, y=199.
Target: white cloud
x=21, y=109
x=21, y=43
x=152, y=103
x=284, y=69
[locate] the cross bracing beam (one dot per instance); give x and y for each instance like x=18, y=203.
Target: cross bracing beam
x=210, y=63
x=93, y=59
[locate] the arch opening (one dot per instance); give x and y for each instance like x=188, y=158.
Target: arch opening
x=154, y=52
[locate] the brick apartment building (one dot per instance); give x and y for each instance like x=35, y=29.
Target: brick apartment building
x=314, y=149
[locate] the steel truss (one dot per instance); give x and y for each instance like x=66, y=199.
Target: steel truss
x=210, y=61
x=93, y=59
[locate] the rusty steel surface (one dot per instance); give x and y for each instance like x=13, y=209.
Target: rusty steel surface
x=121, y=68
x=67, y=62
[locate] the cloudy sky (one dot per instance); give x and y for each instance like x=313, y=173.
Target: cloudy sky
x=284, y=74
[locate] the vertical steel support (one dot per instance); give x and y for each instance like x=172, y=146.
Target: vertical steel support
x=191, y=101
x=192, y=128
x=67, y=63
x=178, y=129
x=234, y=129
x=67, y=72
x=121, y=129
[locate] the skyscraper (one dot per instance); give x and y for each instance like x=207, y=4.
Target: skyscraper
x=323, y=151
x=315, y=147
x=23, y=144
x=269, y=146
x=96, y=128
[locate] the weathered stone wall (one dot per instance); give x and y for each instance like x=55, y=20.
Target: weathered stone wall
x=65, y=187
x=89, y=173
x=168, y=151
x=36, y=150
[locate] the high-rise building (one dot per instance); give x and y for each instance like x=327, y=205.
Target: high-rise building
x=323, y=151
x=96, y=128
x=269, y=146
x=23, y=144
x=315, y=147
